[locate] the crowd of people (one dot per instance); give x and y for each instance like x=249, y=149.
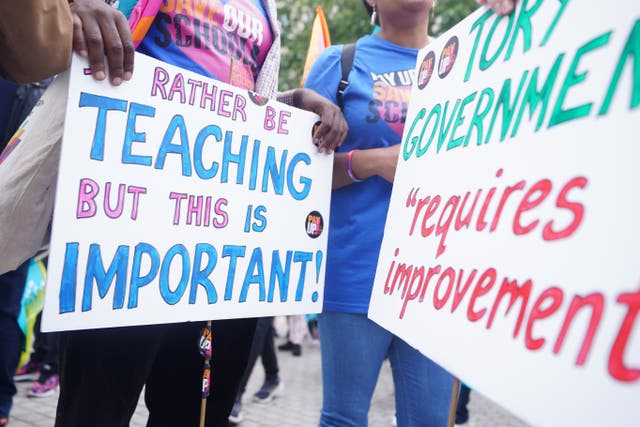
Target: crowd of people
x=102, y=372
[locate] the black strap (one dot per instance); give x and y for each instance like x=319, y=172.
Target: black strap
x=346, y=62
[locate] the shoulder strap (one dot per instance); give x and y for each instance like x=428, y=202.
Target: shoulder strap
x=346, y=62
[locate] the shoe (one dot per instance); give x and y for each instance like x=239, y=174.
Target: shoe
x=286, y=346
x=269, y=390
x=46, y=388
x=4, y=421
x=236, y=412
x=28, y=372
x=296, y=350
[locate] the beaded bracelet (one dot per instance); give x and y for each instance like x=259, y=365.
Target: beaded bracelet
x=352, y=175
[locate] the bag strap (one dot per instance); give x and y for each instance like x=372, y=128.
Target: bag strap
x=346, y=62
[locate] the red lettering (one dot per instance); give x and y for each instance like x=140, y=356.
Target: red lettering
x=517, y=292
x=538, y=312
x=536, y=195
x=596, y=302
x=617, y=368
x=488, y=276
x=577, y=209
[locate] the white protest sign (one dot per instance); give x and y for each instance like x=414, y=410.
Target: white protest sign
x=510, y=250
x=181, y=198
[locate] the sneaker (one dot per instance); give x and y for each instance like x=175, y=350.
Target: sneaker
x=296, y=350
x=286, y=346
x=269, y=390
x=236, y=413
x=28, y=372
x=45, y=389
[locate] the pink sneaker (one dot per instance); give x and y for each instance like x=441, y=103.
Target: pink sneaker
x=28, y=372
x=45, y=389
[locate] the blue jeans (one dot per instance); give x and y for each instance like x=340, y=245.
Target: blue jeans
x=353, y=349
x=11, y=337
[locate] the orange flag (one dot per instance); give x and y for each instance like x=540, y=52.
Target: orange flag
x=319, y=40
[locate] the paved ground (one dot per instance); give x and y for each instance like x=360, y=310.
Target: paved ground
x=298, y=406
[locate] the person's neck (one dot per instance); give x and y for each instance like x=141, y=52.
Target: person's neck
x=415, y=37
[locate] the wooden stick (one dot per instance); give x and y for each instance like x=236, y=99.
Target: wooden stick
x=207, y=366
x=454, y=402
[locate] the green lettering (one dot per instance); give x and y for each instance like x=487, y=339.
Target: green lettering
x=407, y=153
x=508, y=108
x=554, y=23
x=435, y=112
x=523, y=23
x=455, y=142
x=484, y=62
x=561, y=115
x=444, y=128
x=632, y=48
x=479, y=115
x=534, y=96
x=480, y=24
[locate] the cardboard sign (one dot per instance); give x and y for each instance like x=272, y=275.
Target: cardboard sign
x=182, y=198
x=511, y=245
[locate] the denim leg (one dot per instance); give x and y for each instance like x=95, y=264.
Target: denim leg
x=353, y=349
x=11, y=337
x=423, y=388
x=268, y=355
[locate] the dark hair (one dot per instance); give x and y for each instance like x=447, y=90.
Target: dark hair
x=370, y=10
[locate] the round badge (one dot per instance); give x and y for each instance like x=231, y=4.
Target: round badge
x=257, y=99
x=426, y=70
x=448, y=57
x=314, y=224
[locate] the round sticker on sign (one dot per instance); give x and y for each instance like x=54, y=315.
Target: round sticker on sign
x=314, y=224
x=448, y=57
x=426, y=70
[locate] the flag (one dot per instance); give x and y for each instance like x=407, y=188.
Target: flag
x=319, y=40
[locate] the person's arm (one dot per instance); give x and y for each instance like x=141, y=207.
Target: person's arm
x=333, y=127
x=98, y=29
x=502, y=7
x=365, y=164
x=35, y=39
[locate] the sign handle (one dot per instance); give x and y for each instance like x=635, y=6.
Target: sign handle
x=454, y=402
x=205, y=345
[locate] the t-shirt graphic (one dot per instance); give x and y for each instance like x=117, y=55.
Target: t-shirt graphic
x=224, y=39
x=390, y=98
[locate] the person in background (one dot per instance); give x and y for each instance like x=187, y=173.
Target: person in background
x=352, y=346
x=104, y=371
x=296, y=331
x=264, y=347
x=42, y=366
x=16, y=102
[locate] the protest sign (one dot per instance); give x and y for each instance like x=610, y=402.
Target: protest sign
x=182, y=198
x=509, y=254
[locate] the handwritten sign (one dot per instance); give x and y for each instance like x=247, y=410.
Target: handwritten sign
x=510, y=251
x=182, y=198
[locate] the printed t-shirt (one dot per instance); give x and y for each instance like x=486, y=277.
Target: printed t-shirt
x=224, y=39
x=375, y=107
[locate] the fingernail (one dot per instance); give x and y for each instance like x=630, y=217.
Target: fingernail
x=83, y=53
x=116, y=81
x=99, y=75
x=127, y=75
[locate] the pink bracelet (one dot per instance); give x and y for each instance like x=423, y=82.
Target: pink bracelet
x=352, y=175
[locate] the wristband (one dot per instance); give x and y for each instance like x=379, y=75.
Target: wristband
x=352, y=175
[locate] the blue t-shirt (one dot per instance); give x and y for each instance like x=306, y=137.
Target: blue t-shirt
x=375, y=107
x=227, y=41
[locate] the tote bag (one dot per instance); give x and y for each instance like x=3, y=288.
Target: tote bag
x=28, y=172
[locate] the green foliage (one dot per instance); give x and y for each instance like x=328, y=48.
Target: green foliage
x=347, y=20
